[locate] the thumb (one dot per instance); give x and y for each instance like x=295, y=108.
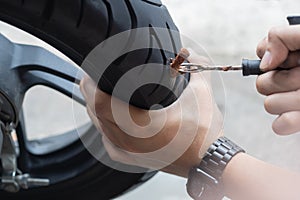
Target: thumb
x=280, y=41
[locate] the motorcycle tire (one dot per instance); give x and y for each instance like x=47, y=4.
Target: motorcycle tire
x=76, y=27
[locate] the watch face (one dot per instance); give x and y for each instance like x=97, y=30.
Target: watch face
x=211, y=192
x=201, y=191
x=206, y=178
x=202, y=184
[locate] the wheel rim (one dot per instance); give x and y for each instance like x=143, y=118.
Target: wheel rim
x=63, y=161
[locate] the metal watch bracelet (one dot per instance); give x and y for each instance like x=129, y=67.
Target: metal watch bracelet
x=204, y=180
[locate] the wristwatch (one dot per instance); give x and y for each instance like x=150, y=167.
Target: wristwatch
x=205, y=180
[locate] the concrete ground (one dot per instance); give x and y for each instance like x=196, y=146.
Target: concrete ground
x=228, y=32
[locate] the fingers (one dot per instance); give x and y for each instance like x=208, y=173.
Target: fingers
x=98, y=101
x=293, y=60
x=115, y=153
x=282, y=88
x=279, y=81
x=130, y=158
x=103, y=127
x=280, y=41
x=261, y=47
x=95, y=120
x=287, y=106
x=287, y=123
x=134, y=121
x=103, y=105
x=283, y=102
x=118, y=119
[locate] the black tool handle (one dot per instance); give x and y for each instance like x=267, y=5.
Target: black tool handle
x=293, y=20
x=251, y=67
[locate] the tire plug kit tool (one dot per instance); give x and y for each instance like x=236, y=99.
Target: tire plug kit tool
x=248, y=67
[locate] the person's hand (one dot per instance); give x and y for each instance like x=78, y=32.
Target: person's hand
x=282, y=87
x=172, y=139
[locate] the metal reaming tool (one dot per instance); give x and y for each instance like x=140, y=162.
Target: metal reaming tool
x=248, y=67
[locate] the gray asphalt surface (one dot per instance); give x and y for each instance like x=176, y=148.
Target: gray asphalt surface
x=227, y=31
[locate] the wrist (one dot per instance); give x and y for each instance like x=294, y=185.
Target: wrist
x=194, y=154
x=231, y=177
x=206, y=179
x=247, y=178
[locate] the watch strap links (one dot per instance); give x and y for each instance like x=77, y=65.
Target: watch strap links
x=204, y=180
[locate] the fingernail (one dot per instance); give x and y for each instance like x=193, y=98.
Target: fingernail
x=266, y=60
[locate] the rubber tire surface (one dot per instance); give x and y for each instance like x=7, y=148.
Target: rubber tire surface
x=75, y=27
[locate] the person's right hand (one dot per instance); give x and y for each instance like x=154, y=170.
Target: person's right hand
x=282, y=87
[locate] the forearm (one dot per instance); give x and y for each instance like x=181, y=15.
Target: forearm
x=248, y=178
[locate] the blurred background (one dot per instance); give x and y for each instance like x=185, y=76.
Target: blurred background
x=227, y=31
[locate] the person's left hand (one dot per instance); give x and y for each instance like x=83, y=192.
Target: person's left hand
x=173, y=139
